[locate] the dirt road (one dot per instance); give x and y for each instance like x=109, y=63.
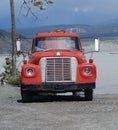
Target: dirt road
x=57, y=114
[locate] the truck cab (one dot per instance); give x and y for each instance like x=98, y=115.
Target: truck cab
x=57, y=64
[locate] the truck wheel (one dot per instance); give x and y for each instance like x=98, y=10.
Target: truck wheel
x=26, y=96
x=88, y=94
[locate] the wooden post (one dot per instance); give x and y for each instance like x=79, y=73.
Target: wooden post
x=13, y=38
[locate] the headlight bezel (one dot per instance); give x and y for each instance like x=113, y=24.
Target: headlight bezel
x=30, y=72
x=87, y=70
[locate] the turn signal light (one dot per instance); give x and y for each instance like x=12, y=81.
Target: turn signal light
x=90, y=60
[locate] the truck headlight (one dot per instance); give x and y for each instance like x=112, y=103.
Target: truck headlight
x=87, y=70
x=30, y=72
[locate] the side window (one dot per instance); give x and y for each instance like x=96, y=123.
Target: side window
x=38, y=45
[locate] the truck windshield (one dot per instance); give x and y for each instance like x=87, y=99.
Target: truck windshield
x=68, y=43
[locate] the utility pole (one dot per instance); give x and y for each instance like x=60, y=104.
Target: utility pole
x=13, y=38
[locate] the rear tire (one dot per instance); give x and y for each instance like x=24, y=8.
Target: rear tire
x=88, y=94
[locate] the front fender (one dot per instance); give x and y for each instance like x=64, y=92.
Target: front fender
x=35, y=78
x=86, y=78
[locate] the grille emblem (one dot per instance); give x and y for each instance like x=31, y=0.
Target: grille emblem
x=58, y=54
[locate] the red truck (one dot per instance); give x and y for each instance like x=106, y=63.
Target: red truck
x=57, y=64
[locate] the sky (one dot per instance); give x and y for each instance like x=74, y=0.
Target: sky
x=87, y=12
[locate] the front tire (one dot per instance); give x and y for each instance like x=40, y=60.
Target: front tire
x=26, y=96
x=88, y=94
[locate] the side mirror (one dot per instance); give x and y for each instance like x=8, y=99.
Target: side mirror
x=97, y=46
x=18, y=45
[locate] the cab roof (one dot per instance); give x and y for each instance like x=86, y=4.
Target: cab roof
x=56, y=33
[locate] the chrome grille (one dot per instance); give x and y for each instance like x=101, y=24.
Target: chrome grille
x=58, y=69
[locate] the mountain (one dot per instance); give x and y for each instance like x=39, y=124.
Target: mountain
x=5, y=42
x=30, y=32
x=6, y=45
x=85, y=31
x=4, y=34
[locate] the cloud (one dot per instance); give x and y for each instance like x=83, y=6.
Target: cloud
x=82, y=9
x=76, y=10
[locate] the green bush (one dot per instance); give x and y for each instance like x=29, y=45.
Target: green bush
x=15, y=81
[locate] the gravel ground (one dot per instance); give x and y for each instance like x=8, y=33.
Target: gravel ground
x=62, y=113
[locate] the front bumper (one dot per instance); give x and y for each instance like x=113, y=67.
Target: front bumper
x=58, y=87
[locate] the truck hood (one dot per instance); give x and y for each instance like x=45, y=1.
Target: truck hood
x=36, y=56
